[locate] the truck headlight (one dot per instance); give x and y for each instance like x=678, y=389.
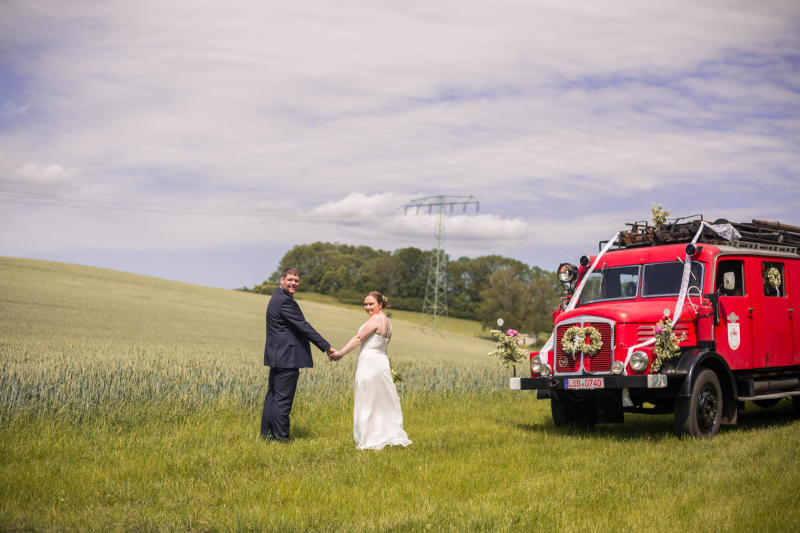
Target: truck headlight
x=544, y=370
x=639, y=361
x=567, y=273
x=617, y=367
x=536, y=364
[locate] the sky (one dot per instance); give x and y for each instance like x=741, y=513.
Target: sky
x=200, y=141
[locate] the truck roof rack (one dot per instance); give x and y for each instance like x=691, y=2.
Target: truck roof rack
x=758, y=234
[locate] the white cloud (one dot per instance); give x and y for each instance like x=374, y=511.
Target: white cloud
x=46, y=174
x=16, y=177
x=358, y=207
x=10, y=109
x=383, y=219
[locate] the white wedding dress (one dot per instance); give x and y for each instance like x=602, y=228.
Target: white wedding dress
x=377, y=418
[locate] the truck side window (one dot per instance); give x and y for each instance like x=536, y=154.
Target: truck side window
x=772, y=274
x=730, y=278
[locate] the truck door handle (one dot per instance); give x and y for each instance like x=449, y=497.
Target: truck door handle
x=750, y=312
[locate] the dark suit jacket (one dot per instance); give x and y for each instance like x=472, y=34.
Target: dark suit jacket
x=288, y=334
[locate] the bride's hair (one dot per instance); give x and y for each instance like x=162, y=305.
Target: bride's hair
x=380, y=298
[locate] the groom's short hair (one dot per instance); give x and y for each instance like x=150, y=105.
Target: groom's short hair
x=289, y=270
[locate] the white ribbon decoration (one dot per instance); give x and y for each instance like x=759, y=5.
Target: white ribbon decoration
x=548, y=346
x=676, y=314
x=575, y=297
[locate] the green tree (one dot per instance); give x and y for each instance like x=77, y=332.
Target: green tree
x=545, y=295
x=486, y=287
x=506, y=295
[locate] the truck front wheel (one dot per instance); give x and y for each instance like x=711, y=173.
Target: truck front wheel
x=573, y=412
x=700, y=415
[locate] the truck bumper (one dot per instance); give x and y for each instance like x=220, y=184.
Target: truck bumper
x=612, y=381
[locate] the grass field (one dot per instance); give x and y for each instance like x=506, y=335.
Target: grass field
x=132, y=403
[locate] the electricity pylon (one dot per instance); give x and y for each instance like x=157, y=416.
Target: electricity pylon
x=435, y=303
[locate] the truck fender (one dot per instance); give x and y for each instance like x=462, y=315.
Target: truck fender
x=695, y=359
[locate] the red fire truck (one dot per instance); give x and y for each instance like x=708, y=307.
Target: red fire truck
x=689, y=318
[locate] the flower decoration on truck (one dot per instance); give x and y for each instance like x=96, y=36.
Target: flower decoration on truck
x=774, y=277
x=575, y=337
x=659, y=215
x=667, y=343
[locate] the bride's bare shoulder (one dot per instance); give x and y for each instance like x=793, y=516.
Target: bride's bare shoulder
x=373, y=323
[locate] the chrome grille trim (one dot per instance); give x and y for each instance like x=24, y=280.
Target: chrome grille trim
x=600, y=363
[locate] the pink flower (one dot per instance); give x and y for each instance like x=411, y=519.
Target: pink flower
x=512, y=333
x=659, y=329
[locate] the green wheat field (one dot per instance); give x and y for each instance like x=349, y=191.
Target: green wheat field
x=129, y=403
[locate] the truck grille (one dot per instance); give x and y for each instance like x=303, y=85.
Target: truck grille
x=599, y=362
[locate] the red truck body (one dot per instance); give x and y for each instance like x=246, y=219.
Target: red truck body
x=738, y=334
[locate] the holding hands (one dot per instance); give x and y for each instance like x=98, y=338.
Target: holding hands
x=334, y=355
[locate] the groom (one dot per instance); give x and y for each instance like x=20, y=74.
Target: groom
x=286, y=351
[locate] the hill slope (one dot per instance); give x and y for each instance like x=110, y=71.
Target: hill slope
x=64, y=304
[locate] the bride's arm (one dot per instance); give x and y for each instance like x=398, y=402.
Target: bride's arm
x=366, y=330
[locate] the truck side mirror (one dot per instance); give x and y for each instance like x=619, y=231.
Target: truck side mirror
x=714, y=299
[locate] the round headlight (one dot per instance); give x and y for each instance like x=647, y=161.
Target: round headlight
x=536, y=364
x=639, y=361
x=567, y=272
x=617, y=367
x=544, y=370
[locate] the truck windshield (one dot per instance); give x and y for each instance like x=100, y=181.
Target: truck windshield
x=664, y=279
x=616, y=283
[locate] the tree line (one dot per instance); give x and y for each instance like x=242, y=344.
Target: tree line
x=482, y=288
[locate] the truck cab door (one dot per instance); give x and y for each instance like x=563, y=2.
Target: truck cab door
x=734, y=334
x=773, y=308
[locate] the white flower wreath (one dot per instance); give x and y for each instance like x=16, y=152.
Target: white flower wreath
x=574, y=340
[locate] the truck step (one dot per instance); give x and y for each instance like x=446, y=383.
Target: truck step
x=774, y=395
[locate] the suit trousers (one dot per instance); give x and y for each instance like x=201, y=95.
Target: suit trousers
x=281, y=387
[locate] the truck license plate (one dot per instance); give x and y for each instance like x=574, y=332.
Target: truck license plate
x=584, y=383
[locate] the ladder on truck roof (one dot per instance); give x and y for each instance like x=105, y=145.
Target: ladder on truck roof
x=759, y=234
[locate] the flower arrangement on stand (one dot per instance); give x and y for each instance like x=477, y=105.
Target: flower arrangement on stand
x=667, y=343
x=508, y=349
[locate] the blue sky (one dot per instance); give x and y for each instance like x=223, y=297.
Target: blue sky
x=199, y=142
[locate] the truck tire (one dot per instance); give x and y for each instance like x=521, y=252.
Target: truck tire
x=567, y=412
x=700, y=415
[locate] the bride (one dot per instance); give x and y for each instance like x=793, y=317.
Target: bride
x=377, y=418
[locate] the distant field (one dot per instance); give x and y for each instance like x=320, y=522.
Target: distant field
x=44, y=301
x=461, y=326
x=133, y=403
